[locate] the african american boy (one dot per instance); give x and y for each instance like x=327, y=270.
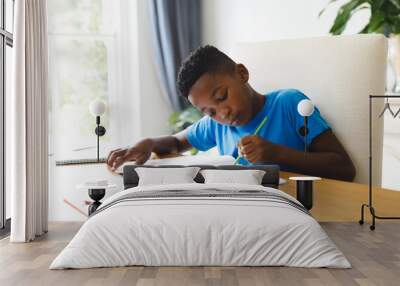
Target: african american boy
x=219, y=87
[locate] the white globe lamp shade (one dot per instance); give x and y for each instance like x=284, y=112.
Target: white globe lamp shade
x=305, y=107
x=97, y=107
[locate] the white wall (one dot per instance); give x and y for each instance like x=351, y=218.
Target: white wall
x=226, y=22
x=144, y=111
x=155, y=109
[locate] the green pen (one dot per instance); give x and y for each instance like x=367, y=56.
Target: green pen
x=255, y=133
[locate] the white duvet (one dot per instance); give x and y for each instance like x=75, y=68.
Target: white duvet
x=200, y=231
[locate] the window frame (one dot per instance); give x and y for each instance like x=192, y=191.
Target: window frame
x=6, y=39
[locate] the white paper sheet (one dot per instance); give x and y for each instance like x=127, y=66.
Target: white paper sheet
x=188, y=160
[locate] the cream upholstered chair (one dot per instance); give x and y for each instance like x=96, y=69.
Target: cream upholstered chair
x=338, y=73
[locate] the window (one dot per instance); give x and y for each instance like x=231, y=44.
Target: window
x=82, y=40
x=6, y=43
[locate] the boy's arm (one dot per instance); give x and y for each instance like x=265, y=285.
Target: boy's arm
x=176, y=143
x=326, y=157
x=142, y=150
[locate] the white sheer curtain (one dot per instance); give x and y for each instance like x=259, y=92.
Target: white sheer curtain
x=28, y=120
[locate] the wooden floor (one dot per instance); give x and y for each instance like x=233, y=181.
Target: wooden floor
x=375, y=256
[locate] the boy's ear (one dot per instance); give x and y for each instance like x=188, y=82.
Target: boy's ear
x=242, y=73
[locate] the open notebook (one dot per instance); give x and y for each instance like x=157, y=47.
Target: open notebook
x=179, y=160
x=188, y=160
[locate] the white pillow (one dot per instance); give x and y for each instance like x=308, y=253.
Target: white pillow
x=163, y=176
x=248, y=177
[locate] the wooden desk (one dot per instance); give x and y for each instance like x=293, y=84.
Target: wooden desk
x=341, y=201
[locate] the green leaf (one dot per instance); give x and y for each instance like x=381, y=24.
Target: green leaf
x=327, y=5
x=190, y=115
x=376, y=23
x=395, y=3
x=181, y=119
x=173, y=117
x=390, y=10
x=377, y=4
x=344, y=15
x=385, y=16
x=395, y=25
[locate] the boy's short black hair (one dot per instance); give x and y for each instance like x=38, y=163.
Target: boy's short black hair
x=207, y=59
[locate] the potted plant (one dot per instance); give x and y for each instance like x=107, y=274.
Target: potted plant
x=384, y=19
x=180, y=120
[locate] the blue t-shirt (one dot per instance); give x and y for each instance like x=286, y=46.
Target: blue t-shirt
x=282, y=126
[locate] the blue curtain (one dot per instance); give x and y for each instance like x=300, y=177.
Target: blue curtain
x=176, y=30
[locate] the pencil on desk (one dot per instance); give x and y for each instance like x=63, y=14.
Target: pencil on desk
x=262, y=124
x=75, y=207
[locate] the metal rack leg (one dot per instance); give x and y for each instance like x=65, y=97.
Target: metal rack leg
x=374, y=216
x=361, y=221
x=372, y=210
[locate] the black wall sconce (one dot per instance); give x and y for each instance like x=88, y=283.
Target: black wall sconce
x=97, y=108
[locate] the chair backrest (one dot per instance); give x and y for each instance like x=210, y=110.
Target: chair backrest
x=338, y=73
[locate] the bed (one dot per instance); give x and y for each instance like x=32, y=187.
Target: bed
x=201, y=224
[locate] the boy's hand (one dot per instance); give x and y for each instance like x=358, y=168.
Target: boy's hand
x=141, y=152
x=256, y=149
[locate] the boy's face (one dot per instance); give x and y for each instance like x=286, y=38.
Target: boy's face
x=225, y=97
